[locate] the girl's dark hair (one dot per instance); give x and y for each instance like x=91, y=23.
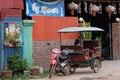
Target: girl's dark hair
x=77, y=41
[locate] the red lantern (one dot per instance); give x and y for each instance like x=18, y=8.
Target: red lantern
x=72, y=12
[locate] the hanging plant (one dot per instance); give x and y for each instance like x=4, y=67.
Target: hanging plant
x=72, y=6
x=94, y=9
x=12, y=37
x=12, y=40
x=110, y=9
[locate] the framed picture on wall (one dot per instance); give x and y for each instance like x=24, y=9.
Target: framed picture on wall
x=11, y=27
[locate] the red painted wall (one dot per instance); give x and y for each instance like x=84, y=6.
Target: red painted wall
x=4, y=12
x=46, y=27
x=11, y=8
x=12, y=4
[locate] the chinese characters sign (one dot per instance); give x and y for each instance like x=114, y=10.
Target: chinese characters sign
x=37, y=7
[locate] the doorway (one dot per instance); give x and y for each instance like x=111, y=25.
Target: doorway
x=103, y=21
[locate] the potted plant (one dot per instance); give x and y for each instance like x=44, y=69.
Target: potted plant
x=7, y=73
x=34, y=70
x=17, y=64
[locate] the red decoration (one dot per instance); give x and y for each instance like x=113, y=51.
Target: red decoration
x=109, y=14
x=93, y=13
x=35, y=71
x=72, y=12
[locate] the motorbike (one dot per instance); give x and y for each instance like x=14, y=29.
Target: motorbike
x=59, y=62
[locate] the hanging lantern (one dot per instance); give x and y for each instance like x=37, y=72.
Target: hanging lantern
x=94, y=9
x=110, y=9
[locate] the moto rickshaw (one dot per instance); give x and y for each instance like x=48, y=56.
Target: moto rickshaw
x=78, y=59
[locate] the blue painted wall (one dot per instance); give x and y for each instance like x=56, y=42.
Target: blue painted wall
x=7, y=51
x=1, y=46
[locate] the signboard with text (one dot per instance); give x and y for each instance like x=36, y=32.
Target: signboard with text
x=37, y=7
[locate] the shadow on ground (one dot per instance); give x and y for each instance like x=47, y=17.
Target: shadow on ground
x=99, y=78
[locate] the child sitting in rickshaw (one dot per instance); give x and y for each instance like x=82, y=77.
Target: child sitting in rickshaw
x=97, y=52
x=87, y=54
x=79, y=49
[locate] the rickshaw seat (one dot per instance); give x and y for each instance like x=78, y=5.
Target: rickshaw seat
x=77, y=56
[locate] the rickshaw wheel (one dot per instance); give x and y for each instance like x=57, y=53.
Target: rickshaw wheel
x=96, y=66
x=72, y=69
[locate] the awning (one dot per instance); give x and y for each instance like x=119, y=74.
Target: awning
x=80, y=29
x=77, y=1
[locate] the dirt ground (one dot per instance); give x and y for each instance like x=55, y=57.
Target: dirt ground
x=110, y=71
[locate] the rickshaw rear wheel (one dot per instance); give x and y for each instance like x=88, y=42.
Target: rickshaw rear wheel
x=96, y=66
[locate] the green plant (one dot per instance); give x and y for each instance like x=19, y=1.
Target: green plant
x=6, y=68
x=33, y=67
x=45, y=73
x=16, y=63
x=34, y=70
x=87, y=35
x=97, y=38
x=86, y=24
